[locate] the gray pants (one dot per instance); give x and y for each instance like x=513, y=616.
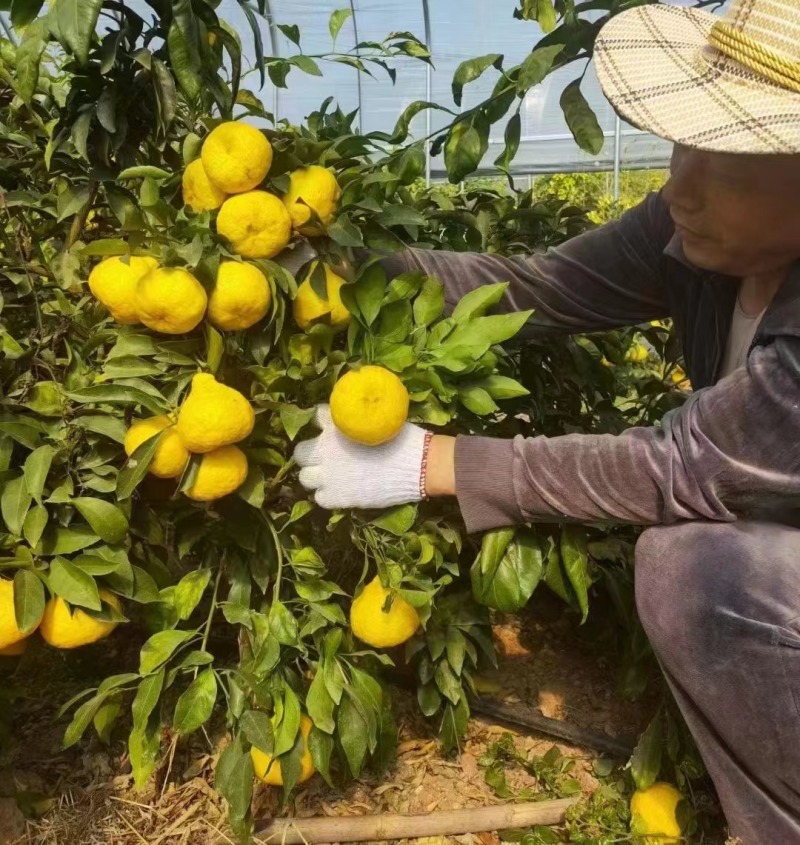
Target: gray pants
x=721, y=605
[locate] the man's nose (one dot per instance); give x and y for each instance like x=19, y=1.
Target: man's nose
x=686, y=183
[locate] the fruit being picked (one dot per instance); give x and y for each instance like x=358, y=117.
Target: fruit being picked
x=114, y=281
x=199, y=192
x=236, y=157
x=171, y=455
x=378, y=627
x=240, y=298
x=65, y=627
x=309, y=308
x=369, y=405
x=10, y=634
x=654, y=812
x=213, y=415
x=310, y=188
x=221, y=471
x=256, y=224
x=271, y=773
x=170, y=300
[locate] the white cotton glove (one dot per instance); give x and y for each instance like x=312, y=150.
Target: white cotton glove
x=346, y=474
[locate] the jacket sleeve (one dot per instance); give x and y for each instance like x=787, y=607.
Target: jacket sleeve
x=606, y=278
x=730, y=451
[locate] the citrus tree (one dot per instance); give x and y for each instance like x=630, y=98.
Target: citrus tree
x=180, y=292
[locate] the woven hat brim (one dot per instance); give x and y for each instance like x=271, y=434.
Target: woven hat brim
x=653, y=65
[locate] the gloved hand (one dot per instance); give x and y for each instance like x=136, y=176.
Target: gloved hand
x=346, y=474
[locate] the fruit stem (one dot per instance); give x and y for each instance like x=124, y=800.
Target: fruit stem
x=211, y=610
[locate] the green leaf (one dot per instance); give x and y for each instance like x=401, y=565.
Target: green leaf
x=478, y=301
x=182, y=42
x=64, y=541
x=306, y=64
x=353, y=734
x=336, y=22
x=294, y=418
x=29, y=58
x=233, y=778
x=81, y=720
x=195, y=706
x=580, y=118
x=429, y=699
x=14, y=503
x=546, y=15
x=575, y=558
x=646, y=759
x=35, y=524
x=454, y=724
x=291, y=31
x=429, y=304
x=502, y=387
x=507, y=569
x=257, y=728
x=136, y=466
x=477, y=400
x=29, y=600
x=24, y=11
x=214, y=348
x=282, y=624
x=287, y=729
x=320, y=705
x=106, y=717
x=321, y=747
x=482, y=332
x=37, y=465
x=511, y=137
x=77, y=21
x=142, y=171
x=470, y=70
x=536, y=66
x=401, y=215
x=401, y=128
x=370, y=288
x=105, y=519
x=118, y=394
x=160, y=647
x=466, y=145
x=146, y=699
x=189, y=591
x=344, y=232
x=397, y=520
x=73, y=584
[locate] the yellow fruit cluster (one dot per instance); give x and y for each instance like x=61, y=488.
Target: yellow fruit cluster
x=211, y=419
x=60, y=626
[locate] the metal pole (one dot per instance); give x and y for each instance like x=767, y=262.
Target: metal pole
x=9, y=34
x=617, y=151
x=428, y=92
x=358, y=72
x=273, y=37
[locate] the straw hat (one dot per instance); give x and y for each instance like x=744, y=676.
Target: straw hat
x=725, y=84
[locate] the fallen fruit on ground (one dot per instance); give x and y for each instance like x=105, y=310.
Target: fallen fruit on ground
x=221, y=471
x=311, y=188
x=171, y=455
x=236, y=157
x=170, y=300
x=114, y=281
x=10, y=634
x=369, y=405
x=257, y=224
x=309, y=308
x=240, y=298
x=199, y=192
x=377, y=627
x=653, y=814
x=270, y=773
x=65, y=627
x=213, y=415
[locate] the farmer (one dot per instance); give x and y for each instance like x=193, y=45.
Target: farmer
x=718, y=482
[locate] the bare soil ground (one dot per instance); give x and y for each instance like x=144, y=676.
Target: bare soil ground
x=85, y=796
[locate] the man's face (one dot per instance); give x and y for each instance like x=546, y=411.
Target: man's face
x=736, y=214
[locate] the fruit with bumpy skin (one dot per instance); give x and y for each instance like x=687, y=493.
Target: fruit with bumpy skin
x=171, y=455
x=319, y=191
x=213, y=415
x=114, y=281
x=270, y=773
x=199, y=192
x=369, y=405
x=221, y=471
x=240, y=298
x=653, y=811
x=637, y=354
x=10, y=634
x=16, y=650
x=379, y=628
x=67, y=629
x=256, y=223
x=236, y=157
x=170, y=300
x=309, y=308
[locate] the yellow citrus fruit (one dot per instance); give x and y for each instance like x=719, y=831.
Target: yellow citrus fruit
x=240, y=298
x=376, y=627
x=10, y=634
x=221, y=471
x=113, y=282
x=309, y=308
x=213, y=415
x=653, y=811
x=256, y=223
x=63, y=628
x=170, y=300
x=15, y=650
x=272, y=774
x=236, y=157
x=369, y=405
x=318, y=189
x=171, y=455
x=199, y=192
x=638, y=354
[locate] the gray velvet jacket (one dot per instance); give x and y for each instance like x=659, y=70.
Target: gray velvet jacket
x=732, y=451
